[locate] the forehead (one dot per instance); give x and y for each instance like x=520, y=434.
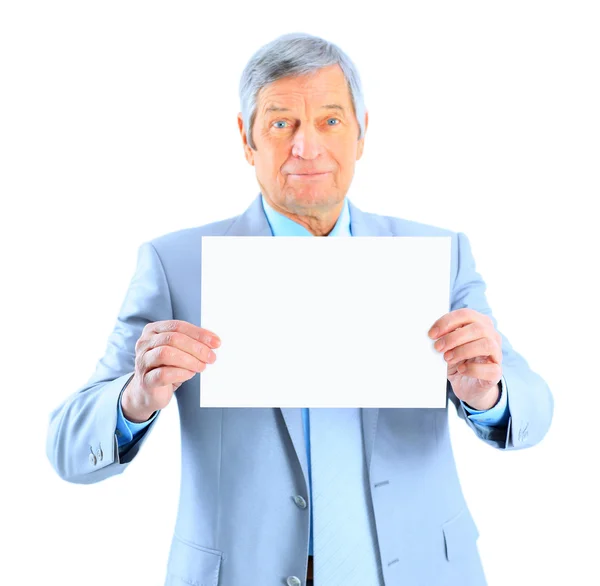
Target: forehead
x=327, y=87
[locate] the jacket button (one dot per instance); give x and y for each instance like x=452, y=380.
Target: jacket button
x=300, y=501
x=293, y=581
x=93, y=459
x=100, y=454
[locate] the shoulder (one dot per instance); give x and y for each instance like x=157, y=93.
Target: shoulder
x=396, y=226
x=403, y=227
x=187, y=238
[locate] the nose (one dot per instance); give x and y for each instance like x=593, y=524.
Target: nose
x=307, y=143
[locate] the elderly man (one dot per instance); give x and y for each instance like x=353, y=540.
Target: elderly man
x=371, y=495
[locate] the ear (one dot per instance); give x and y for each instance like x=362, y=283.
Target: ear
x=248, y=152
x=361, y=142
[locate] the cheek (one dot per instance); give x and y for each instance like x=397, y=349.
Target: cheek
x=270, y=156
x=269, y=164
x=276, y=163
x=347, y=162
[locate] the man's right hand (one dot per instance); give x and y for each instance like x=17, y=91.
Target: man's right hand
x=167, y=354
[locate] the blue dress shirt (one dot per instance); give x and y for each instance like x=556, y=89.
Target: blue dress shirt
x=129, y=432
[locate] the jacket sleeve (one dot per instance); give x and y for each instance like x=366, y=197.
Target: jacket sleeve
x=81, y=443
x=530, y=402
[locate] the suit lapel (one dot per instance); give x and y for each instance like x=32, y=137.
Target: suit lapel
x=253, y=222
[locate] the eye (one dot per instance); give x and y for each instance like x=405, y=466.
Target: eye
x=284, y=122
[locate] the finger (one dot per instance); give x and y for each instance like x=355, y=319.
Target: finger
x=472, y=331
x=165, y=375
x=183, y=342
x=171, y=356
x=456, y=319
x=483, y=347
x=175, y=325
x=489, y=372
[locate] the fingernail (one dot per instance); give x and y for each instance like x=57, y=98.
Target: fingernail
x=433, y=333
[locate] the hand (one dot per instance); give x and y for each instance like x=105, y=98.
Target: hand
x=167, y=354
x=475, y=369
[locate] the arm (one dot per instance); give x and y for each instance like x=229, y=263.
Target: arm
x=496, y=415
x=129, y=432
x=530, y=404
x=82, y=444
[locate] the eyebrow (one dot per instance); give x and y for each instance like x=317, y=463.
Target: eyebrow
x=326, y=106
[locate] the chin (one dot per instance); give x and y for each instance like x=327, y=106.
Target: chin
x=314, y=196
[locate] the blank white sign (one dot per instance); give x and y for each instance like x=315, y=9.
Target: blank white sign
x=324, y=322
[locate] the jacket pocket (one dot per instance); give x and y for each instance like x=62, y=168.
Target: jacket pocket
x=192, y=565
x=460, y=535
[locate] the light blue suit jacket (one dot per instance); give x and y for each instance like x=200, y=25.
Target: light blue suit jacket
x=238, y=516
x=128, y=431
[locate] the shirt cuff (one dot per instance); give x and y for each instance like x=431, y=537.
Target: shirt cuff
x=127, y=430
x=497, y=415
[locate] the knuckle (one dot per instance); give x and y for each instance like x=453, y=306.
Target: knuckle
x=163, y=352
x=161, y=375
x=140, y=360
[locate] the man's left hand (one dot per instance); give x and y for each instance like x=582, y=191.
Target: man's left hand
x=473, y=349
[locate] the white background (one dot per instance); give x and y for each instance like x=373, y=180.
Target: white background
x=118, y=124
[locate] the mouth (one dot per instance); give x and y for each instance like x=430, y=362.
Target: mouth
x=308, y=175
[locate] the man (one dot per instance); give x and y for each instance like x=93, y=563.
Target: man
x=372, y=496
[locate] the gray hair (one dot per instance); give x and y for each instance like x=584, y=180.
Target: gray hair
x=295, y=54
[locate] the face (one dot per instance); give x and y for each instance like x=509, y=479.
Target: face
x=306, y=135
